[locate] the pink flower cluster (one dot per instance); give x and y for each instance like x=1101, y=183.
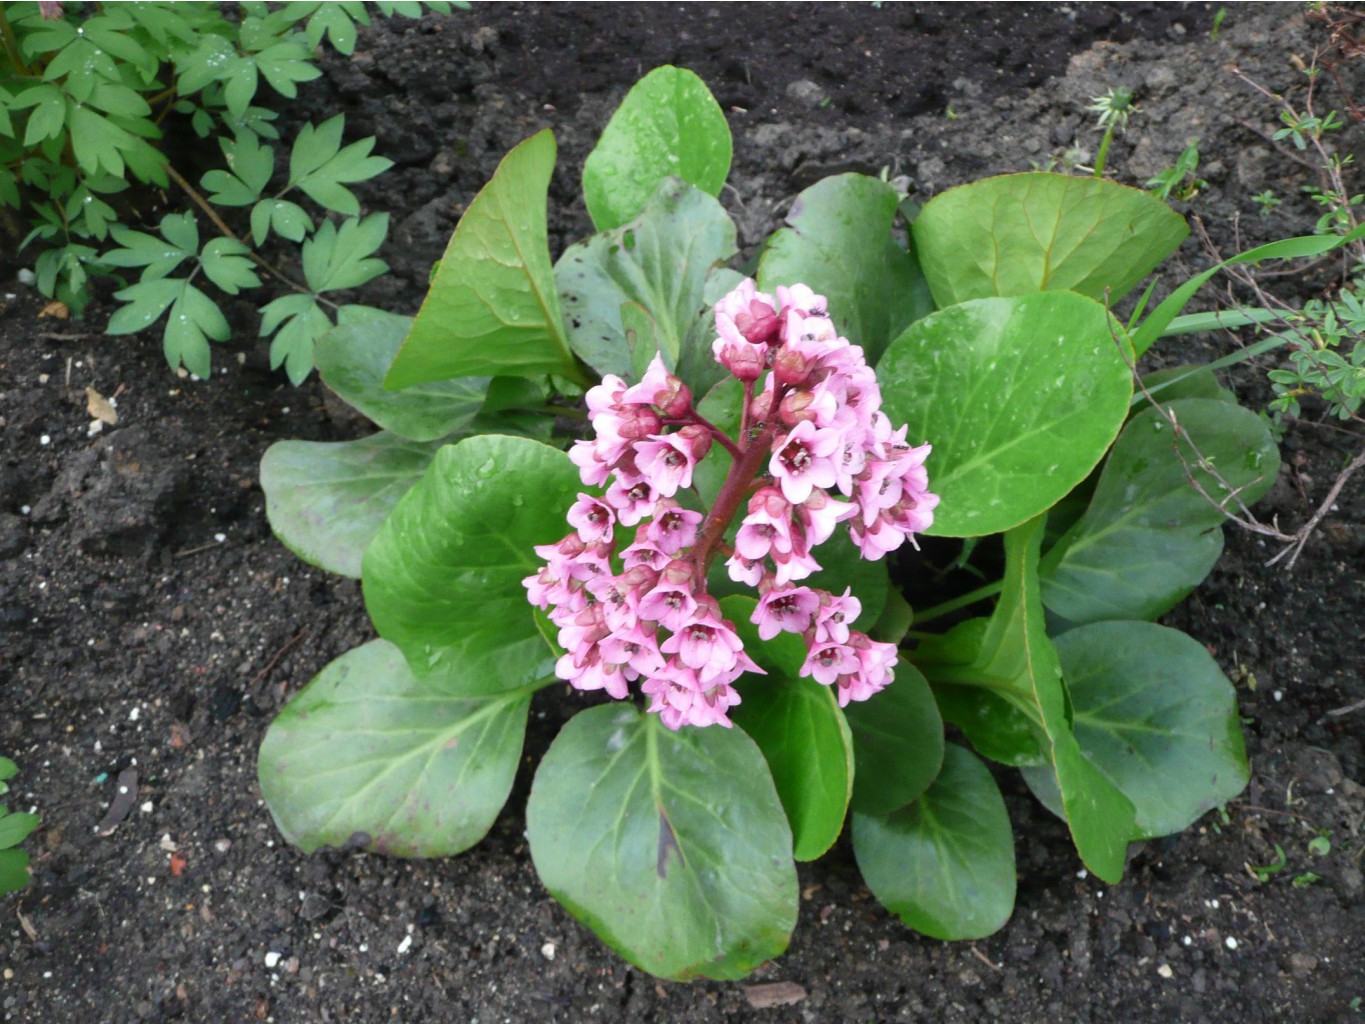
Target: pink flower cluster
x=814, y=427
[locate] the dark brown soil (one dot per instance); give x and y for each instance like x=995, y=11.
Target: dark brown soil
x=150, y=622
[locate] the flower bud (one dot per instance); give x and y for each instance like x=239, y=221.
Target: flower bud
x=761, y=407
x=697, y=439
x=759, y=323
x=796, y=408
x=675, y=399
x=637, y=422
x=792, y=368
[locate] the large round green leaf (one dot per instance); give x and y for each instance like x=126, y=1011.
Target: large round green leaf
x=797, y=724
x=492, y=307
x=352, y=360
x=672, y=846
x=838, y=241
x=945, y=864
x=442, y=578
x=897, y=743
x=1155, y=714
x=669, y=125
x=658, y=265
x=367, y=756
x=326, y=500
x=1022, y=233
x=1149, y=537
x=1020, y=398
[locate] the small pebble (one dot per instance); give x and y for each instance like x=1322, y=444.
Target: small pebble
x=1082, y=873
x=45, y=439
x=548, y=951
x=222, y=845
x=220, y=537
x=1230, y=942
x=1278, y=695
x=406, y=944
x=148, y=807
x=272, y=958
x=1165, y=971
x=134, y=714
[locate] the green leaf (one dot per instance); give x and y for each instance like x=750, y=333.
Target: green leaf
x=1023, y=233
x=366, y=756
x=321, y=169
x=15, y=828
x=1149, y=537
x=1155, y=714
x=492, y=308
x=353, y=359
x=1018, y=661
x=797, y=724
x=1020, y=398
x=945, y=864
x=669, y=125
x=672, y=846
x=304, y=323
x=146, y=301
x=838, y=241
x=326, y=500
x=660, y=261
x=13, y=870
x=250, y=166
x=194, y=319
x=1173, y=382
x=442, y=579
x=284, y=65
x=226, y=264
x=337, y=258
x=289, y=220
x=159, y=256
x=897, y=743
x=1287, y=248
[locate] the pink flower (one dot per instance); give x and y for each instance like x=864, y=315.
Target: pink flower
x=818, y=515
x=767, y=527
x=678, y=698
x=747, y=314
x=706, y=644
x=660, y=388
x=745, y=361
x=632, y=501
x=827, y=662
x=673, y=527
x=834, y=615
x=788, y=609
x=672, y=603
x=592, y=518
x=803, y=461
x=667, y=460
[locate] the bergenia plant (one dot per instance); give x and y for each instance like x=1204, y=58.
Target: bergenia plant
x=902, y=477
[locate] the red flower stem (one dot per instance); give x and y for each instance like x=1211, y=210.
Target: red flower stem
x=722, y=438
x=732, y=494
